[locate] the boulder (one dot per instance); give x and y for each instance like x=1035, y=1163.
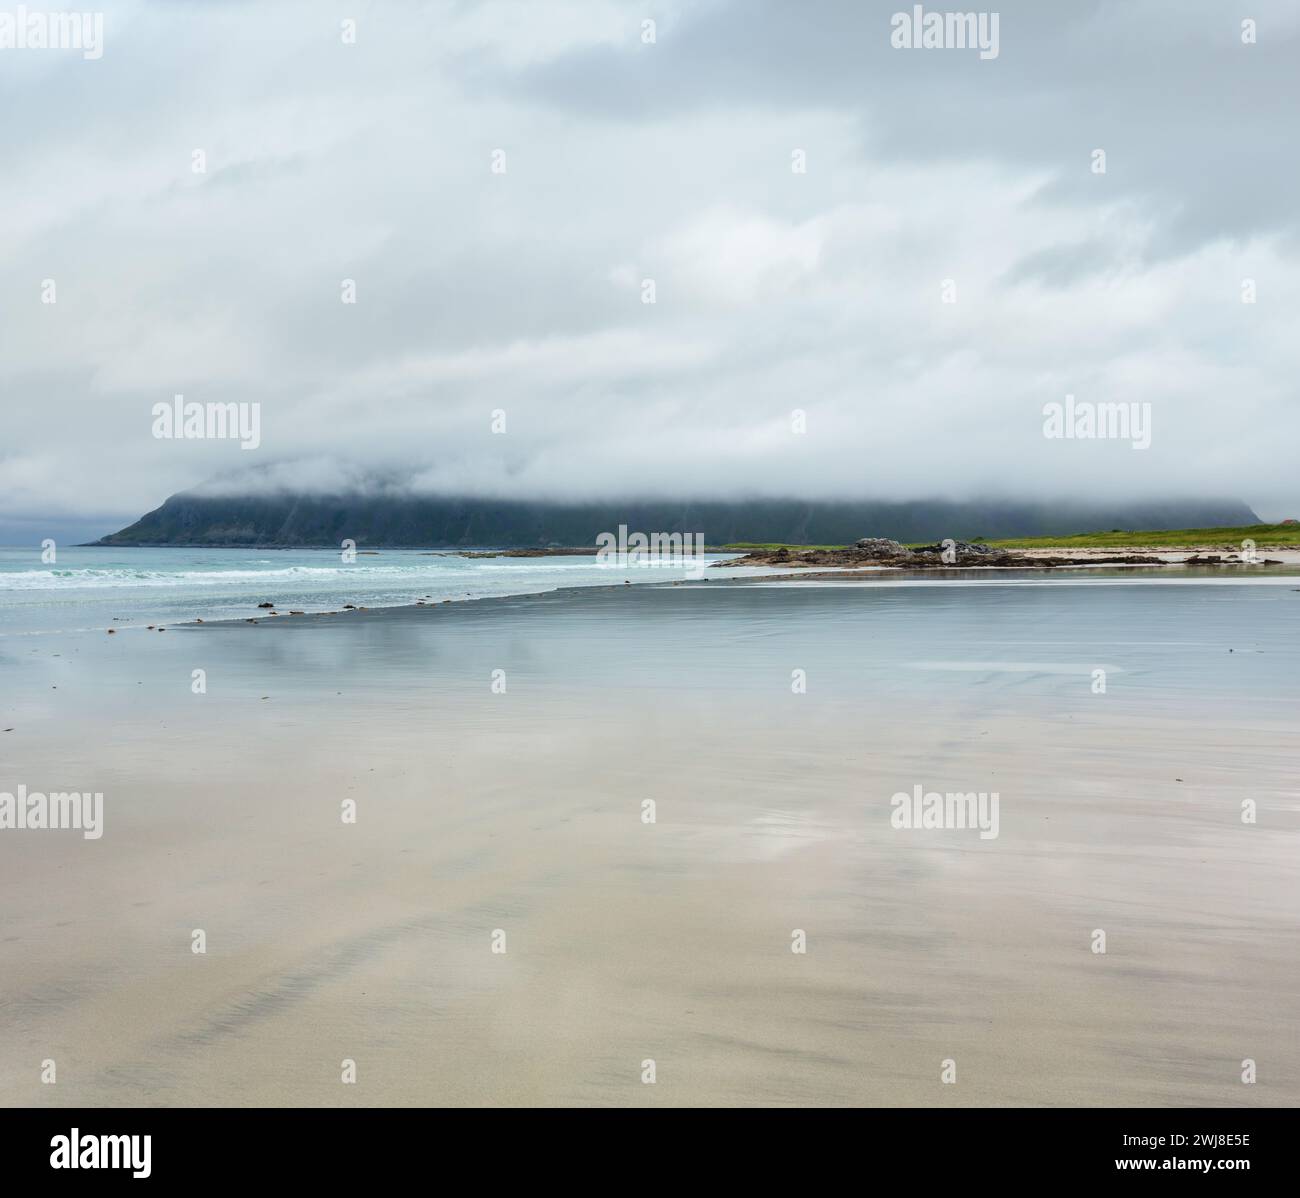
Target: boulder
x=966, y=551
x=882, y=547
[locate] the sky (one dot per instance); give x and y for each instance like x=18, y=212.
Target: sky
x=502, y=181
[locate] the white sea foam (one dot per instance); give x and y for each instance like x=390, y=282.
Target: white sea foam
x=89, y=588
x=57, y=579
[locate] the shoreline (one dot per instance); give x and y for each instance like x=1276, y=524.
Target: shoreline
x=885, y=575
x=1183, y=565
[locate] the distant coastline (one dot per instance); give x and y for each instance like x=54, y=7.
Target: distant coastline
x=393, y=519
x=1116, y=547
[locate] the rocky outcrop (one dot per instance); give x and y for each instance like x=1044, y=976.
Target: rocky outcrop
x=882, y=548
x=945, y=555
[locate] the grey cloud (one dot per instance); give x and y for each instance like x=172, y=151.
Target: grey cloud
x=1064, y=265
x=775, y=291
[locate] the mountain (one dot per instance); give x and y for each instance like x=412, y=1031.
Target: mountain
x=283, y=520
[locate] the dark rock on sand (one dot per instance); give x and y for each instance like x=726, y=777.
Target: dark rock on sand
x=1232, y=559
x=881, y=551
x=883, y=547
x=851, y=556
x=966, y=553
x=963, y=549
x=946, y=555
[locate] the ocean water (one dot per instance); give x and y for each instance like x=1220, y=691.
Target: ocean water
x=96, y=588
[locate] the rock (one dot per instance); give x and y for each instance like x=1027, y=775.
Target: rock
x=946, y=555
x=966, y=553
x=963, y=549
x=882, y=547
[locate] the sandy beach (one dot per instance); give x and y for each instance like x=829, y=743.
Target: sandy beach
x=481, y=813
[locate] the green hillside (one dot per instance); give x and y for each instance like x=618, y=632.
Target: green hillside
x=1166, y=538
x=1229, y=538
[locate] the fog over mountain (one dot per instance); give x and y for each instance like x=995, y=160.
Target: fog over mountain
x=799, y=344
x=283, y=508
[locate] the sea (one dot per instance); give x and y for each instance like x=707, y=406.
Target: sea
x=91, y=588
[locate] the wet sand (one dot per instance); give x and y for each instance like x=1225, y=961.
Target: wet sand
x=628, y=941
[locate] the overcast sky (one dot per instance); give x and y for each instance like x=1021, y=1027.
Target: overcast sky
x=626, y=160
